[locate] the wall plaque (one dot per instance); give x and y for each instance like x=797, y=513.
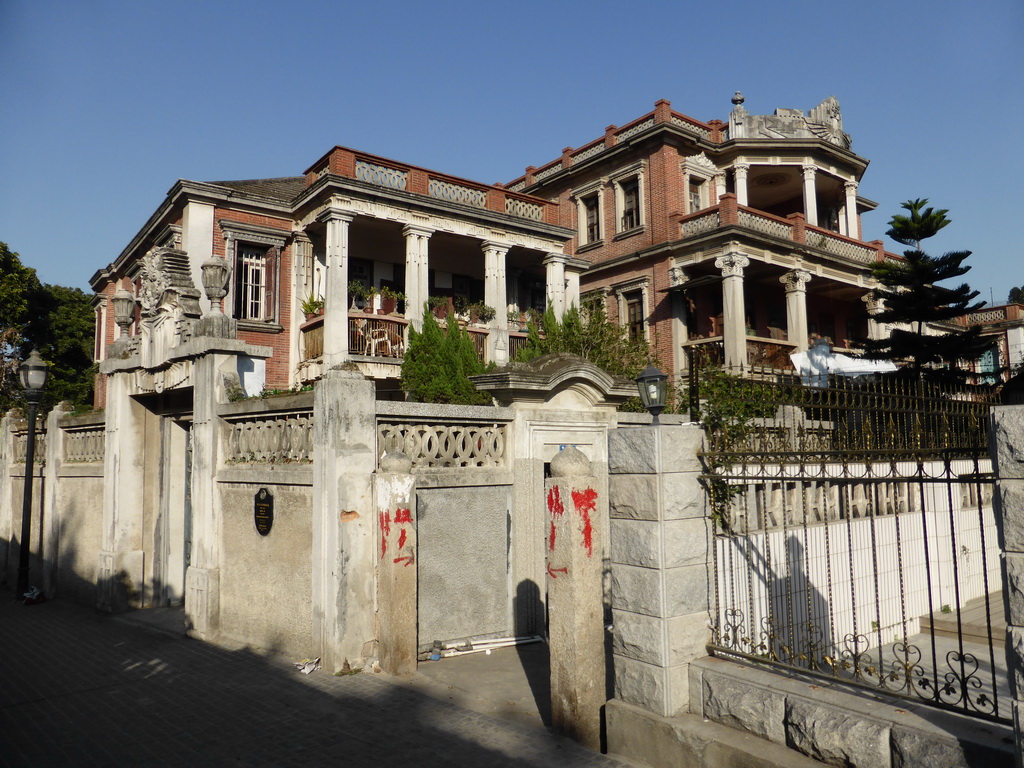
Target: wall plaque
x=263, y=511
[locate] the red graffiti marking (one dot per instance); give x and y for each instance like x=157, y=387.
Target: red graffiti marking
x=553, y=571
x=401, y=538
x=403, y=515
x=555, y=506
x=585, y=501
x=385, y=530
x=408, y=559
x=551, y=537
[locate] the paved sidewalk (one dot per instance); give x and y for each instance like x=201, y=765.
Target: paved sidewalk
x=81, y=688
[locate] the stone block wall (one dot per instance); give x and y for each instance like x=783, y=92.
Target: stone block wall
x=660, y=547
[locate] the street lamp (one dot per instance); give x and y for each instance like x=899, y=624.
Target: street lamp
x=32, y=376
x=653, y=387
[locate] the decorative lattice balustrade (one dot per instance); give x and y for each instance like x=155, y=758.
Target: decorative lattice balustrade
x=841, y=247
x=589, y=152
x=457, y=193
x=278, y=437
x=519, y=186
x=765, y=225
x=524, y=209
x=381, y=175
x=439, y=446
x=551, y=170
x=84, y=444
x=987, y=316
x=633, y=130
x=691, y=127
x=700, y=224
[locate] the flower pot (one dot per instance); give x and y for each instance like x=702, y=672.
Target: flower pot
x=387, y=306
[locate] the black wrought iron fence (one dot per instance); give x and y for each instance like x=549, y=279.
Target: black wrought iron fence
x=854, y=535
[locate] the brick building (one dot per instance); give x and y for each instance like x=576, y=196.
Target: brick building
x=739, y=238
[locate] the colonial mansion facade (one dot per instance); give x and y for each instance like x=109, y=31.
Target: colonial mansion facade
x=740, y=236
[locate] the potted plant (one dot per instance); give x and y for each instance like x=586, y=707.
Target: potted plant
x=357, y=291
x=440, y=306
x=516, y=320
x=312, y=306
x=389, y=300
x=369, y=294
x=480, y=313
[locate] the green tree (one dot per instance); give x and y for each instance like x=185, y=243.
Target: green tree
x=915, y=300
x=58, y=321
x=1016, y=295
x=591, y=335
x=438, y=364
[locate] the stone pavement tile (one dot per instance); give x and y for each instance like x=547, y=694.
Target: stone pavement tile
x=80, y=688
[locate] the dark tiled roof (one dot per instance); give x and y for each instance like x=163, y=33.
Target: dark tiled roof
x=283, y=189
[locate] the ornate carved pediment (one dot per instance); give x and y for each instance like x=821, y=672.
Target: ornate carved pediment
x=169, y=302
x=701, y=164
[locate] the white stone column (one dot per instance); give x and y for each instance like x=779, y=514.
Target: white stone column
x=810, y=195
x=496, y=295
x=121, y=557
x=796, y=306
x=303, y=286
x=555, y=274
x=50, y=506
x=852, y=230
x=197, y=227
x=572, y=288
x=740, y=171
x=720, y=187
x=876, y=330
x=336, y=293
x=344, y=459
x=734, y=332
x=676, y=277
x=417, y=244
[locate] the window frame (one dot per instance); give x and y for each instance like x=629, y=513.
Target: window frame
x=240, y=237
x=637, y=293
x=633, y=174
x=591, y=192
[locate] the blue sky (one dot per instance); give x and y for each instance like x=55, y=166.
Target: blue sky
x=107, y=103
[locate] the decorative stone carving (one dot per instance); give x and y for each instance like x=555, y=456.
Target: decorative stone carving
x=676, y=276
x=170, y=304
x=824, y=122
x=796, y=280
x=700, y=164
x=732, y=265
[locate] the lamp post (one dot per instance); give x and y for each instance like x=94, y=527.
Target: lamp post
x=32, y=376
x=653, y=387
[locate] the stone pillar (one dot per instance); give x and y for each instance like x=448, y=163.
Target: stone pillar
x=740, y=171
x=810, y=195
x=676, y=277
x=303, y=286
x=575, y=542
x=572, y=289
x=660, y=553
x=121, y=560
x=555, y=274
x=852, y=230
x=1005, y=441
x=496, y=295
x=202, y=577
x=734, y=333
x=397, y=585
x=6, y=497
x=50, y=502
x=344, y=459
x=796, y=306
x=876, y=330
x=417, y=284
x=720, y=187
x=336, y=293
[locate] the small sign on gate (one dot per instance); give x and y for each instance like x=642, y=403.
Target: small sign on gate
x=263, y=511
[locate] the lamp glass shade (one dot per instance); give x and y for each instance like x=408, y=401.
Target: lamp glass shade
x=653, y=387
x=32, y=373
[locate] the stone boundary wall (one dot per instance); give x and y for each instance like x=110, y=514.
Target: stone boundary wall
x=839, y=726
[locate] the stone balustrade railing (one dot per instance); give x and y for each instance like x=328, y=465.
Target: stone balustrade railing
x=269, y=436
x=84, y=444
x=445, y=445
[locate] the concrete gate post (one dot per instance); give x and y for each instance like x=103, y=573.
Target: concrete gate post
x=660, y=551
x=1007, y=450
x=344, y=459
x=50, y=508
x=397, y=585
x=575, y=513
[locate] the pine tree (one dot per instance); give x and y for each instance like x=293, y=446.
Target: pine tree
x=914, y=300
x=438, y=364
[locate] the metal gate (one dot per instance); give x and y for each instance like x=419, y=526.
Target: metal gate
x=855, y=536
